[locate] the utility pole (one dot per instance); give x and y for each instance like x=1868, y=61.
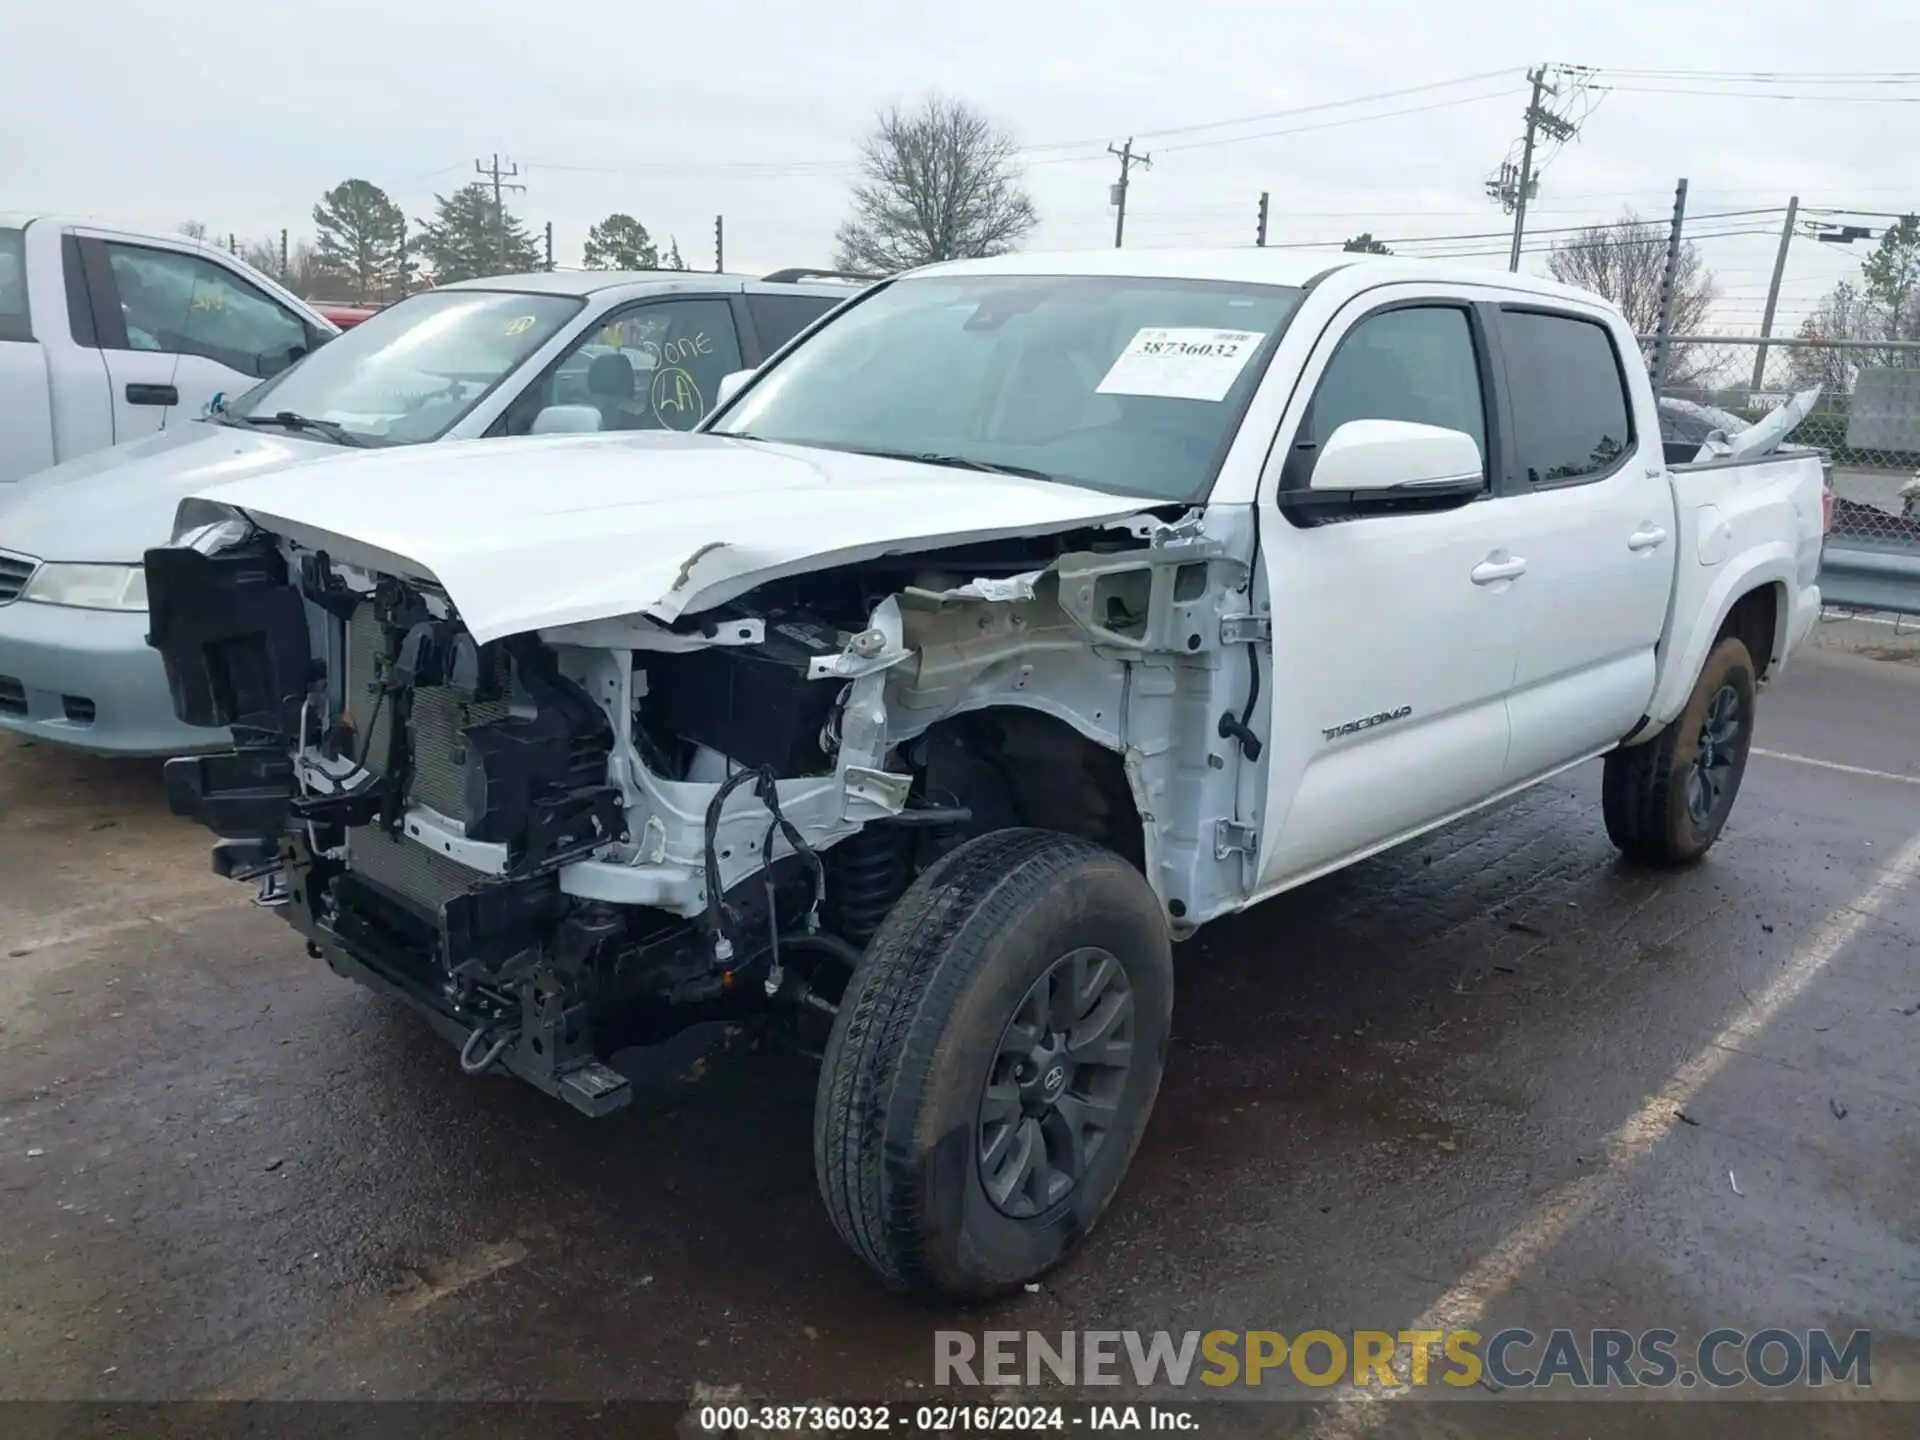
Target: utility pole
x=1539, y=78
x=501, y=181
x=1118, y=193
x=1773, y=290
x=1260, y=235
x=719, y=243
x=549, y=245
x=233, y=245
x=1661, y=338
x=284, y=271
x=1513, y=186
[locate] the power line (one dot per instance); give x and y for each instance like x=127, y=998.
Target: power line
x=1762, y=95
x=1821, y=77
x=1284, y=114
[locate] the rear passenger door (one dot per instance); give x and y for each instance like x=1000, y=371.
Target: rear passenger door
x=178, y=328
x=1592, y=514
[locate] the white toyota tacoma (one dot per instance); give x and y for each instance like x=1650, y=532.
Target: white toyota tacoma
x=999, y=632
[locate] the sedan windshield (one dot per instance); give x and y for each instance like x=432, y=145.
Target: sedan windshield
x=1117, y=383
x=409, y=374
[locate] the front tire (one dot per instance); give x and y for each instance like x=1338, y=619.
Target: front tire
x=1666, y=801
x=993, y=1063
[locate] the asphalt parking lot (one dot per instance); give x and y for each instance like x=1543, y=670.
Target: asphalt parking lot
x=1493, y=1077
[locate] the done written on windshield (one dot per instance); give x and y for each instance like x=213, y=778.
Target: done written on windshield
x=1129, y=384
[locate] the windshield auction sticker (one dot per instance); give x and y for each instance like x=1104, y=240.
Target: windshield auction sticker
x=1187, y=363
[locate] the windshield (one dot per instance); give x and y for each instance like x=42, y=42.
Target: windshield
x=1117, y=383
x=411, y=372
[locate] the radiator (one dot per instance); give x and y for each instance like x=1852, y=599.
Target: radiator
x=415, y=873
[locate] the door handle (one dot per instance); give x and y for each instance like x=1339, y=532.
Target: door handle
x=138, y=394
x=1491, y=571
x=1647, y=537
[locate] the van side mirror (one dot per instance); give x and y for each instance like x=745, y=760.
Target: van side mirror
x=1374, y=457
x=566, y=420
x=729, y=386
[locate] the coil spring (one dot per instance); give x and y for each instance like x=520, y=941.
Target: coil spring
x=866, y=874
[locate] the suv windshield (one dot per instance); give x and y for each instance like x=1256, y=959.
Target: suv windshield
x=410, y=373
x=1117, y=383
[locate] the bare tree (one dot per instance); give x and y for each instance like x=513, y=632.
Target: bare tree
x=1843, y=315
x=939, y=183
x=1626, y=263
x=1884, y=305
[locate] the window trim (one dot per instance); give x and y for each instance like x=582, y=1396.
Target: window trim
x=1517, y=482
x=497, y=427
x=24, y=335
x=73, y=278
x=110, y=323
x=1294, y=480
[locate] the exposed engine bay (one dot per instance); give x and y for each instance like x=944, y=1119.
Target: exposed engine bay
x=561, y=843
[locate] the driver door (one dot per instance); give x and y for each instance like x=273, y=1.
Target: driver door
x=1393, y=646
x=177, y=329
x=655, y=365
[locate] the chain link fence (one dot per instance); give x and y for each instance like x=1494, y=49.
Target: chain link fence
x=1866, y=424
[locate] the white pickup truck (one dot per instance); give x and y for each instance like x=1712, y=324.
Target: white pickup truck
x=106, y=332
x=1024, y=616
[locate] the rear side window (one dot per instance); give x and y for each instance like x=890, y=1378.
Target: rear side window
x=14, y=322
x=778, y=318
x=1571, y=418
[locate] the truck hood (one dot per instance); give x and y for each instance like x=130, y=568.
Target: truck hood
x=529, y=534
x=111, y=505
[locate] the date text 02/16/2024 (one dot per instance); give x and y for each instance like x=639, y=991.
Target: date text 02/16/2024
x=945, y=1419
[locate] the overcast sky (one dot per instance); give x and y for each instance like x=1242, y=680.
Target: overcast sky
x=240, y=114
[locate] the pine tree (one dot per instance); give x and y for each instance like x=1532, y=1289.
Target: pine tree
x=358, y=235
x=620, y=242
x=467, y=239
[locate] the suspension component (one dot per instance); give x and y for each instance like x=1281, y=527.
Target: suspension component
x=866, y=874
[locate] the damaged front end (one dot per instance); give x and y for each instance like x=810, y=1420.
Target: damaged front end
x=507, y=835
x=561, y=843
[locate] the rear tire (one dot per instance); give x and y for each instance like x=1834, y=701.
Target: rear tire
x=1666, y=801
x=993, y=1063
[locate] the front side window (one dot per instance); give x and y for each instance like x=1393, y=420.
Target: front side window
x=185, y=305
x=411, y=372
x=13, y=287
x=1416, y=364
x=1128, y=384
x=654, y=366
x=1571, y=419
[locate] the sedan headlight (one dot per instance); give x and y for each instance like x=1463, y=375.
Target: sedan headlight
x=89, y=587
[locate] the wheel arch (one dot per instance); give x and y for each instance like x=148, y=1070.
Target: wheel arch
x=1752, y=596
x=1039, y=763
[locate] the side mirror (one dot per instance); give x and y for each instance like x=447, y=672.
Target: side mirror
x=566, y=420
x=1374, y=457
x=730, y=386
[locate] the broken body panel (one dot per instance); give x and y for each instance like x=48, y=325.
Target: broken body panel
x=658, y=754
